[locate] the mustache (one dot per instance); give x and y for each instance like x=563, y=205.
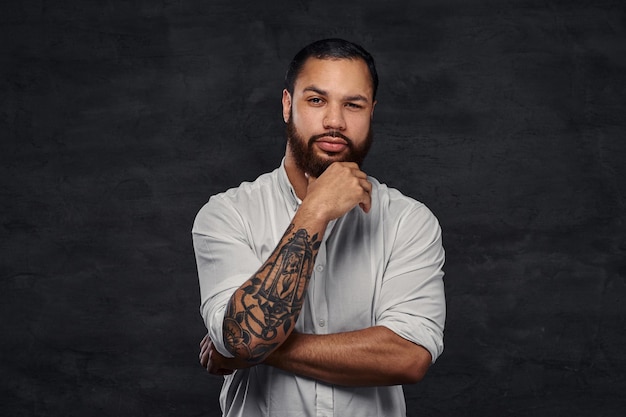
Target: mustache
x=332, y=134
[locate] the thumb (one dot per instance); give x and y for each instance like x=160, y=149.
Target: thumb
x=311, y=179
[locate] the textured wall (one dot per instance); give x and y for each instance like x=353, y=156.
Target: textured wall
x=119, y=119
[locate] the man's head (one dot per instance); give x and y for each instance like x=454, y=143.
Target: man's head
x=330, y=49
x=328, y=103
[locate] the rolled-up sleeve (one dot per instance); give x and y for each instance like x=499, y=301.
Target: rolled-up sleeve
x=412, y=300
x=224, y=259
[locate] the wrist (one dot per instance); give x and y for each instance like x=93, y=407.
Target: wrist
x=274, y=358
x=310, y=214
x=280, y=356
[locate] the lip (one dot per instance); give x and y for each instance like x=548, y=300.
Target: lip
x=331, y=144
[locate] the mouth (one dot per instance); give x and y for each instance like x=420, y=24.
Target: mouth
x=331, y=144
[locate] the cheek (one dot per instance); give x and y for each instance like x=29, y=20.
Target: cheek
x=360, y=123
x=303, y=118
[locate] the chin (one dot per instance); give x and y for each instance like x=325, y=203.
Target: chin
x=332, y=157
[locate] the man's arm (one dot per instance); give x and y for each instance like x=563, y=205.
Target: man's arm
x=262, y=312
x=374, y=356
x=412, y=304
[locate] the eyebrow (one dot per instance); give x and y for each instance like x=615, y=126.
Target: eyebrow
x=316, y=90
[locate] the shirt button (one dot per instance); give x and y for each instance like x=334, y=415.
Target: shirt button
x=322, y=323
x=319, y=268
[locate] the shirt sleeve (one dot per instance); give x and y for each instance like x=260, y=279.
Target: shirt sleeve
x=412, y=302
x=225, y=260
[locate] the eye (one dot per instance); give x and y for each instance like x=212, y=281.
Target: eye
x=354, y=106
x=316, y=101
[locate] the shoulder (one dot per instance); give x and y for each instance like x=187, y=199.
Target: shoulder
x=402, y=215
x=235, y=203
x=392, y=202
x=409, y=226
x=264, y=184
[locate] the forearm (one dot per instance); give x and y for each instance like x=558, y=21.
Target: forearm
x=263, y=311
x=370, y=357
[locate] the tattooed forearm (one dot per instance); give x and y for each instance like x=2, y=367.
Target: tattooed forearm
x=262, y=313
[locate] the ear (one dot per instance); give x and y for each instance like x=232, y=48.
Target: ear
x=286, y=105
x=372, y=113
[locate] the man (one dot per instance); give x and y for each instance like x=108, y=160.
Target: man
x=321, y=288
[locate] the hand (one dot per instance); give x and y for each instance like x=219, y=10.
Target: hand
x=214, y=362
x=338, y=190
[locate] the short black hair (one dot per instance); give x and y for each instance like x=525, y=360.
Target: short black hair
x=330, y=49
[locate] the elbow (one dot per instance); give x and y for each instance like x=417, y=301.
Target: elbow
x=415, y=374
x=244, y=355
x=418, y=365
x=247, y=353
x=243, y=347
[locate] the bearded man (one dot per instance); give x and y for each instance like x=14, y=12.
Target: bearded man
x=321, y=288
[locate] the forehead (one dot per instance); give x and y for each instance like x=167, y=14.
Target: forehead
x=341, y=76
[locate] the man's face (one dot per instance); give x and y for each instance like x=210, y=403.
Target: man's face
x=329, y=115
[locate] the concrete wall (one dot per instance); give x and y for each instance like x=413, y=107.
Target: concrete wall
x=119, y=119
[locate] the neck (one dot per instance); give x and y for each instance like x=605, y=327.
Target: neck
x=296, y=176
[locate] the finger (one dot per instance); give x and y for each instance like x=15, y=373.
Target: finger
x=349, y=164
x=204, y=359
x=211, y=366
x=204, y=354
x=202, y=350
x=211, y=355
x=367, y=186
x=205, y=343
x=359, y=174
x=365, y=206
x=366, y=200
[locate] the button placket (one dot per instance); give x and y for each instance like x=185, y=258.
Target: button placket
x=321, y=304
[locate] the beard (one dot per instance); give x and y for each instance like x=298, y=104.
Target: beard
x=309, y=162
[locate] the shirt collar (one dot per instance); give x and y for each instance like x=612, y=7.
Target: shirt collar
x=290, y=194
x=286, y=187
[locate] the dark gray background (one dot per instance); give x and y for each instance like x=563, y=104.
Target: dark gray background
x=119, y=119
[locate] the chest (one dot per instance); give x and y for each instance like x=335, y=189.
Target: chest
x=347, y=275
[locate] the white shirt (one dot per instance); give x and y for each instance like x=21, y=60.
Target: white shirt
x=378, y=268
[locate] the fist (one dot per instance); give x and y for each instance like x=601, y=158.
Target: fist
x=338, y=190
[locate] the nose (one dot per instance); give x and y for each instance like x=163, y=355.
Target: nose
x=333, y=119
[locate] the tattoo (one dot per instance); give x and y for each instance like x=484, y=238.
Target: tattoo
x=269, y=306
